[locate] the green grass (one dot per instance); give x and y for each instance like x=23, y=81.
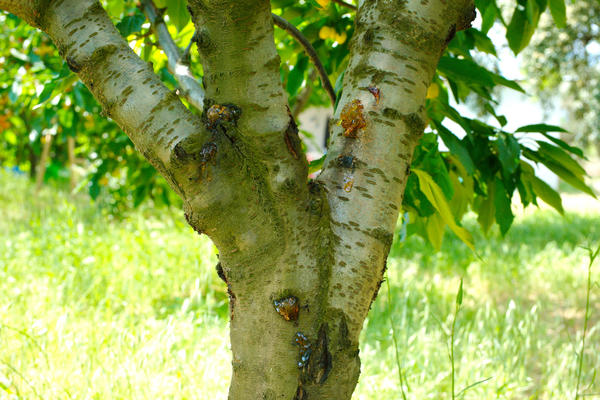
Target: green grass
x=98, y=307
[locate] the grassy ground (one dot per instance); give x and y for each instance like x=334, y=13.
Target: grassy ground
x=94, y=307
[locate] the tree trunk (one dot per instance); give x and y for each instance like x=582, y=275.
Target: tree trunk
x=302, y=260
x=41, y=170
x=33, y=160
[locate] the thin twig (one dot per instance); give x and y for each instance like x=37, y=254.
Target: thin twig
x=398, y=363
x=178, y=63
x=344, y=4
x=459, y=297
x=592, y=255
x=310, y=51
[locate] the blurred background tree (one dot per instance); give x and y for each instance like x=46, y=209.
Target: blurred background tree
x=564, y=64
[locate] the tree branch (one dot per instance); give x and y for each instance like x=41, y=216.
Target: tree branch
x=236, y=45
x=310, y=51
x=25, y=9
x=380, y=119
x=178, y=64
x=240, y=62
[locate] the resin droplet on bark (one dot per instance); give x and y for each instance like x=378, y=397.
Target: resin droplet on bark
x=375, y=92
x=221, y=116
x=288, y=308
x=208, y=153
x=348, y=183
x=305, y=349
x=352, y=118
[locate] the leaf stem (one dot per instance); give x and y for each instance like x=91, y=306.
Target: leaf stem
x=459, y=299
x=593, y=255
x=394, y=339
x=310, y=52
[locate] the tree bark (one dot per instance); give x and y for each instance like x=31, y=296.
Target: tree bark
x=302, y=260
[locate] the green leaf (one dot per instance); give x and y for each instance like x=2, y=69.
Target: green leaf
x=574, y=150
x=178, y=13
x=48, y=90
x=487, y=209
x=564, y=173
x=459, y=295
x=465, y=71
x=483, y=42
x=500, y=80
x=296, y=76
x=435, y=230
x=469, y=73
x=488, y=18
x=559, y=12
x=94, y=189
x=546, y=193
x=558, y=155
x=455, y=116
x=520, y=29
x=509, y=152
x=316, y=165
x=131, y=24
x=502, y=202
x=532, y=10
x=115, y=8
x=436, y=197
x=542, y=128
x=463, y=190
x=54, y=88
x=456, y=147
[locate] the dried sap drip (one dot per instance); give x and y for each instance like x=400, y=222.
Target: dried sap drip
x=375, y=92
x=207, y=155
x=352, y=119
x=288, y=308
x=305, y=349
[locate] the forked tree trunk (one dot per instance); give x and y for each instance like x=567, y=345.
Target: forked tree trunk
x=302, y=260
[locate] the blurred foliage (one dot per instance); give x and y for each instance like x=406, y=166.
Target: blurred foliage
x=566, y=66
x=483, y=169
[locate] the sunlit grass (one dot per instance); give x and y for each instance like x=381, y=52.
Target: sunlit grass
x=97, y=307
x=520, y=323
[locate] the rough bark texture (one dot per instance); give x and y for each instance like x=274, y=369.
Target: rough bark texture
x=302, y=260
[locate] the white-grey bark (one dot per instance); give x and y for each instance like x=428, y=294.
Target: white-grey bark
x=302, y=261
x=177, y=65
